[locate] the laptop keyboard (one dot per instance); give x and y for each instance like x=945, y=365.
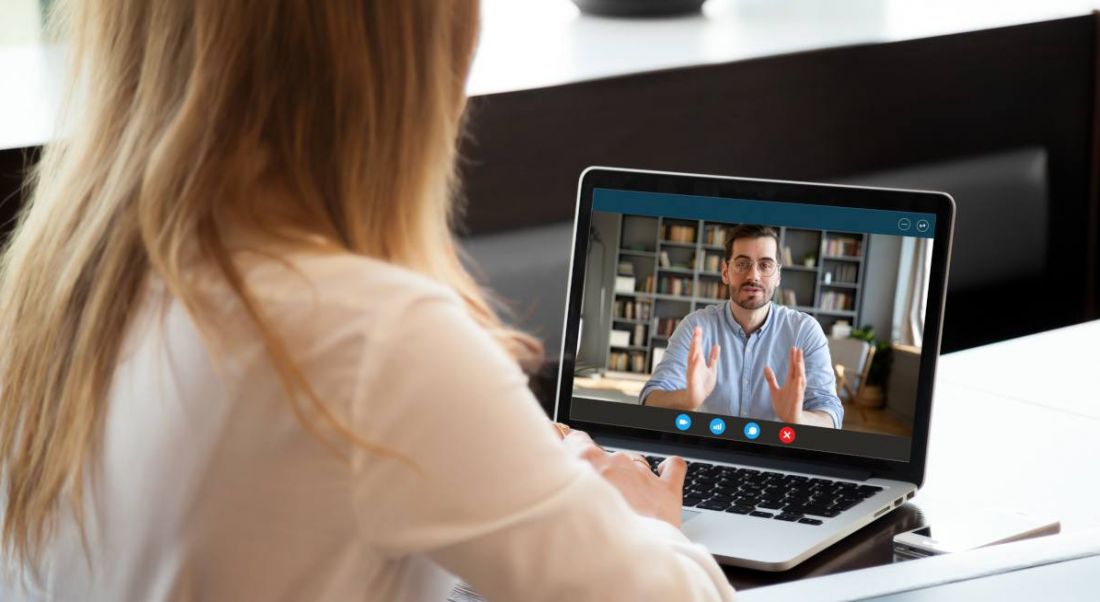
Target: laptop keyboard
x=765, y=494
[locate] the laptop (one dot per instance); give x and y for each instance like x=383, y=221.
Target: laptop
x=667, y=266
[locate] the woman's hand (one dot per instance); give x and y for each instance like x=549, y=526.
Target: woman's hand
x=650, y=495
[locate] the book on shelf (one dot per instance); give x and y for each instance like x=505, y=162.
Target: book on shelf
x=836, y=301
x=784, y=296
x=626, y=268
x=712, y=263
x=665, y=261
x=623, y=310
x=714, y=235
x=631, y=309
x=626, y=361
x=678, y=233
x=639, y=335
x=788, y=259
x=842, y=274
x=667, y=326
x=713, y=290
x=843, y=246
x=674, y=285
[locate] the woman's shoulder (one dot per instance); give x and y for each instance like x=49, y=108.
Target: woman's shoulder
x=341, y=280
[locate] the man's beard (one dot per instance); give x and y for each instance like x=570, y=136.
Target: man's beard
x=755, y=302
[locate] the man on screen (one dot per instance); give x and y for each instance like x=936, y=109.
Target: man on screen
x=753, y=344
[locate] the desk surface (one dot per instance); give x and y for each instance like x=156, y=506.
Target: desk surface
x=528, y=44
x=1015, y=424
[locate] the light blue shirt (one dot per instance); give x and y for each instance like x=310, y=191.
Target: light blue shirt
x=741, y=388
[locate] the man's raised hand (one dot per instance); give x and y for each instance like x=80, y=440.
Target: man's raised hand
x=787, y=400
x=702, y=373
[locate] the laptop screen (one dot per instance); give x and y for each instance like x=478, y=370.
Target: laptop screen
x=766, y=323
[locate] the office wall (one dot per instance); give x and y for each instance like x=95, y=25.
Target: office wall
x=599, y=290
x=881, y=282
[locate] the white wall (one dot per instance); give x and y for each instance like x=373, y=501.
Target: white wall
x=20, y=22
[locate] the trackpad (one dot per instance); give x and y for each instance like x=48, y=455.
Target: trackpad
x=686, y=515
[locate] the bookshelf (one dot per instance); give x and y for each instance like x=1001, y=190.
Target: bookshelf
x=668, y=268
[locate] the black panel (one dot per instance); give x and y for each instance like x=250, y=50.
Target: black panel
x=14, y=166
x=821, y=115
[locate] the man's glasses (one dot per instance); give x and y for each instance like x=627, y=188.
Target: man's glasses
x=766, y=267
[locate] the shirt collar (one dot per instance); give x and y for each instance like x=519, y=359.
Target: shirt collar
x=728, y=313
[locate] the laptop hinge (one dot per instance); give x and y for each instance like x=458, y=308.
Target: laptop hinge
x=855, y=474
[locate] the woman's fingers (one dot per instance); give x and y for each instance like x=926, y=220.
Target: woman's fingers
x=581, y=445
x=673, y=469
x=562, y=430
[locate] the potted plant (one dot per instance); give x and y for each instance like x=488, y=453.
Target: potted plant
x=871, y=394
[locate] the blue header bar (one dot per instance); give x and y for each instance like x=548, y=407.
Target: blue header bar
x=768, y=213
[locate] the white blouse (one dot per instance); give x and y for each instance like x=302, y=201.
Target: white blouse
x=208, y=487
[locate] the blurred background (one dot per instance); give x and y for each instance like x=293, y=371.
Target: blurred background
x=992, y=102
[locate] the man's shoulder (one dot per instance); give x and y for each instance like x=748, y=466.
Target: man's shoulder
x=704, y=316
x=789, y=314
x=795, y=320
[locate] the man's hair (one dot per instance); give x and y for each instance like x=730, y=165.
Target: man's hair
x=749, y=231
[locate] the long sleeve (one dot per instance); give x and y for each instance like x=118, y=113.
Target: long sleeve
x=820, y=379
x=493, y=496
x=671, y=373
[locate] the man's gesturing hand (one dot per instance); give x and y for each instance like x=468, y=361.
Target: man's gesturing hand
x=702, y=374
x=787, y=400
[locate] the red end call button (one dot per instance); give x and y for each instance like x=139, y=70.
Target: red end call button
x=786, y=435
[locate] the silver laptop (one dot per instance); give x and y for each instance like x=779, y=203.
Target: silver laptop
x=684, y=288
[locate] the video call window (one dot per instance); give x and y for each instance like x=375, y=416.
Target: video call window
x=650, y=278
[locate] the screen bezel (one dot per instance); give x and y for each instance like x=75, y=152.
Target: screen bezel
x=938, y=203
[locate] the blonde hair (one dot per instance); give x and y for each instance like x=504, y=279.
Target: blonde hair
x=187, y=110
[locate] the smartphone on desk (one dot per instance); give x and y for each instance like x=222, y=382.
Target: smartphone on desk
x=966, y=528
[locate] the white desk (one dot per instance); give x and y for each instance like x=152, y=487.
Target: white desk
x=1059, y=369
x=1014, y=424
x=988, y=449
x=1019, y=421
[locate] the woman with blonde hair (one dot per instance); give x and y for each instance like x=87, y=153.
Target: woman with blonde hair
x=243, y=360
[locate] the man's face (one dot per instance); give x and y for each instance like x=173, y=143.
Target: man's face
x=752, y=288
